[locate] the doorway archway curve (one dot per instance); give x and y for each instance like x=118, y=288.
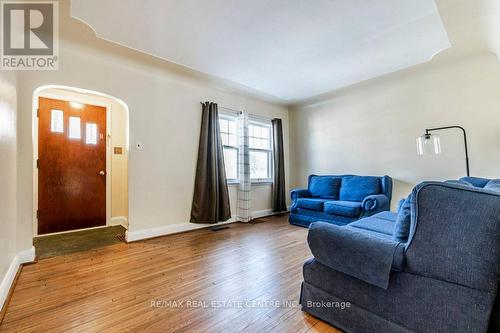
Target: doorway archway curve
x=99, y=98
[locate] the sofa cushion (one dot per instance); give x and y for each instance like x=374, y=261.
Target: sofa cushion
x=356, y=188
x=493, y=185
x=387, y=215
x=403, y=221
x=325, y=187
x=383, y=224
x=459, y=182
x=325, y=217
x=344, y=208
x=475, y=181
x=311, y=203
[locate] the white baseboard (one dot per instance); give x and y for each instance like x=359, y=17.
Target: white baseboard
x=263, y=213
x=119, y=220
x=26, y=256
x=20, y=258
x=133, y=236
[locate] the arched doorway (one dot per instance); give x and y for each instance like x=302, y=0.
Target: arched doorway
x=80, y=160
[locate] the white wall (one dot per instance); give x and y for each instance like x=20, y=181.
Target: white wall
x=371, y=128
x=119, y=163
x=8, y=174
x=165, y=115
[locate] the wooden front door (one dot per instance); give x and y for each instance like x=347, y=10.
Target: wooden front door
x=71, y=166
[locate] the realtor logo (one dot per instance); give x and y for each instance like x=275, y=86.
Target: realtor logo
x=29, y=35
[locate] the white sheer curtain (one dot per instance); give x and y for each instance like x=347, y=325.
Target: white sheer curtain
x=244, y=194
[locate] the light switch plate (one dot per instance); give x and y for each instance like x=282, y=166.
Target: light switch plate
x=139, y=145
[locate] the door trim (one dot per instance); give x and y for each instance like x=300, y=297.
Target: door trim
x=39, y=92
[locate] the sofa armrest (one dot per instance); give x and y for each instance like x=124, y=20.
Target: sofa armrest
x=355, y=252
x=376, y=203
x=299, y=193
x=400, y=204
x=296, y=194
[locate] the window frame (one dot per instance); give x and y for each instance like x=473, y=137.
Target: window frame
x=231, y=117
x=270, y=169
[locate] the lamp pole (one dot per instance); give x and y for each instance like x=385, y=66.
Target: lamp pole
x=429, y=130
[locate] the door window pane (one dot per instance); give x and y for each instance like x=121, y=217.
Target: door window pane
x=57, y=121
x=74, y=128
x=91, y=134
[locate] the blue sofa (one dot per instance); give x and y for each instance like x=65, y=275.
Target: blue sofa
x=340, y=199
x=432, y=267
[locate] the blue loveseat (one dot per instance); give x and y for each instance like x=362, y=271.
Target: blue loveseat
x=340, y=199
x=432, y=267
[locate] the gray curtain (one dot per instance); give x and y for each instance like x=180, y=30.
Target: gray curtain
x=279, y=196
x=211, y=197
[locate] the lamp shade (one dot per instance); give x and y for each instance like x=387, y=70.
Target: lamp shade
x=428, y=144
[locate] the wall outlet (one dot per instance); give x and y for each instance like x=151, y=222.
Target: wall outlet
x=139, y=146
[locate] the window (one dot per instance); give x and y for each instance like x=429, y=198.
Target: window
x=260, y=150
x=229, y=135
x=91, y=134
x=57, y=121
x=74, y=128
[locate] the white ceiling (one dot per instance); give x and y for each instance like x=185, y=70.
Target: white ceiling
x=290, y=49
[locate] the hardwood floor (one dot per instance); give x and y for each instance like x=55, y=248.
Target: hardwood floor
x=198, y=278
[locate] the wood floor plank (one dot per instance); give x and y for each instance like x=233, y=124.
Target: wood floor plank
x=242, y=279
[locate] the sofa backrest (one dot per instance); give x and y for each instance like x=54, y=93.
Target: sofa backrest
x=349, y=187
x=455, y=234
x=475, y=181
x=324, y=186
x=484, y=183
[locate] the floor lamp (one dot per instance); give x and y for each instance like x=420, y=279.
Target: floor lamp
x=431, y=143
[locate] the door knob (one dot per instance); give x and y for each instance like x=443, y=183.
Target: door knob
x=102, y=173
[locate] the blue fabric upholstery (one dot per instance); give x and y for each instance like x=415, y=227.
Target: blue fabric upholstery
x=376, y=223
x=305, y=217
x=444, y=278
x=311, y=203
x=475, y=181
x=456, y=259
x=495, y=315
x=357, y=188
x=374, y=195
x=322, y=216
x=370, y=258
x=458, y=182
x=401, y=203
x=403, y=221
x=376, y=203
x=412, y=303
x=325, y=187
x=344, y=208
x=297, y=194
x=387, y=215
x=493, y=185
